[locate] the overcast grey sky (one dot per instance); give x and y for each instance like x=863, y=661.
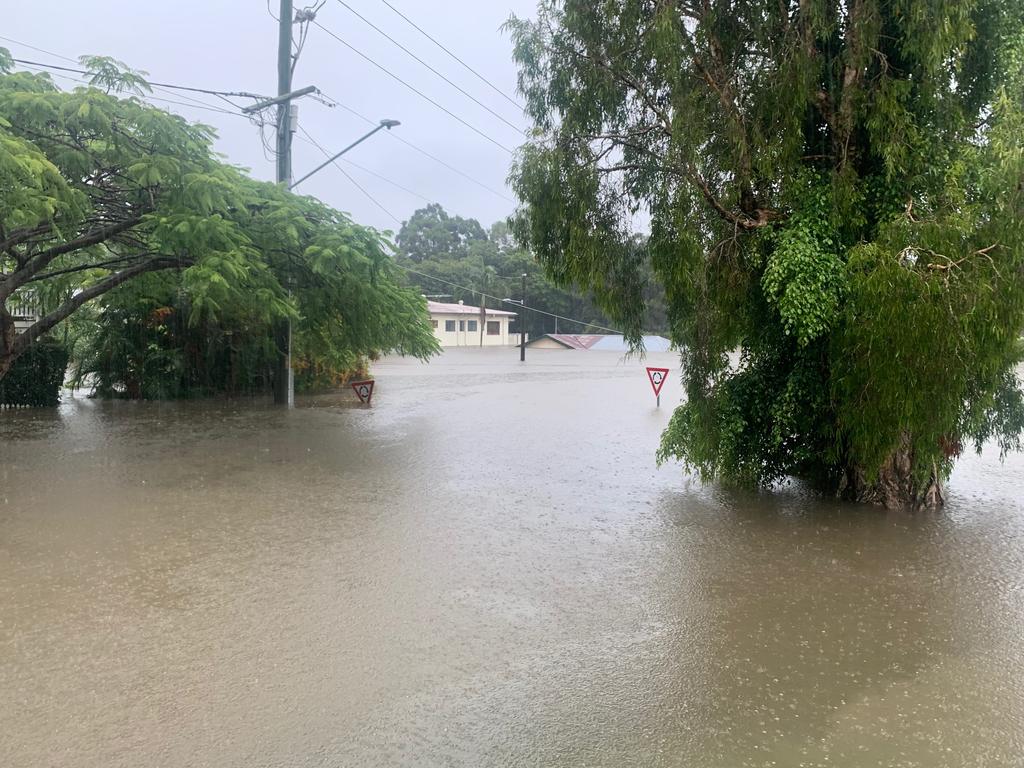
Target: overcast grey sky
x=232, y=45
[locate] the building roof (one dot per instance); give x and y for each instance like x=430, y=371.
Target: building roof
x=571, y=340
x=608, y=342
x=440, y=308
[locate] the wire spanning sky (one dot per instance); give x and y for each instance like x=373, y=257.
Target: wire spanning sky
x=232, y=45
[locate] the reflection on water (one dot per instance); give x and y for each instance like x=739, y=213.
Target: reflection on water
x=483, y=568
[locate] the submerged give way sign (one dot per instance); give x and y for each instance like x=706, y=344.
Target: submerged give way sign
x=364, y=390
x=657, y=377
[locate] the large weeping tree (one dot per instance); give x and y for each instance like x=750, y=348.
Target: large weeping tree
x=835, y=190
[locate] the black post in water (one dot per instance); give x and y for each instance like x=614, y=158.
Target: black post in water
x=522, y=325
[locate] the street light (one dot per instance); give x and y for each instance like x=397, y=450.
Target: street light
x=285, y=394
x=389, y=124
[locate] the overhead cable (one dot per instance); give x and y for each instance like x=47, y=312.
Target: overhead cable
x=412, y=88
x=461, y=90
x=348, y=176
x=422, y=151
x=208, y=91
x=373, y=173
x=419, y=29
x=488, y=296
x=149, y=97
x=156, y=86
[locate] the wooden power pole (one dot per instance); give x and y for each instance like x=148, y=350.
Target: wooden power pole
x=284, y=384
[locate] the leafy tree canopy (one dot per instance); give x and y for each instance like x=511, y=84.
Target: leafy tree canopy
x=97, y=190
x=430, y=233
x=835, y=189
x=492, y=264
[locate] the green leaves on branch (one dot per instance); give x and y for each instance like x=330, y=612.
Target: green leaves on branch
x=836, y=202
x=99, y=192
x=804, y=277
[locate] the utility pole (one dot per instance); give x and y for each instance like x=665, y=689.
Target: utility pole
x=284, y=385
x=522, y=326
x=483, y=307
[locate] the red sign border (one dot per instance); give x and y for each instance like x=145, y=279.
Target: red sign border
x=657, y=387
x=357, y=384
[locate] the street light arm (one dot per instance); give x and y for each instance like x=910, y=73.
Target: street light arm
x=389, y=124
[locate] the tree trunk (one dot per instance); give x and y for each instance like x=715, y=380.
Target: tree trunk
x=896, y=486
x=6, y=340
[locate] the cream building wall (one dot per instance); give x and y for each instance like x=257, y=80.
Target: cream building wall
x=456, y=325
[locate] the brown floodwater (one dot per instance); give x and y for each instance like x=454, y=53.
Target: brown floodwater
x=483, y=568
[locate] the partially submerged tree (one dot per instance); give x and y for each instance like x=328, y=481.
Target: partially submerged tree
x=98, y=190
x=170, y=334
x=836, y=190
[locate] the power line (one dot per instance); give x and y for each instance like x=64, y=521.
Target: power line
x=393, y=183
x=36, y=48
x=465, y=93
x=419, y=29
x=200, y=104
x=423, y=152
x=150, y=97
x=488, y=296
x=226, y=100
x=348, y=176
x=208, y=91
x=452, y=168
x=364, y=169
x=415, y=90
x=159, y=87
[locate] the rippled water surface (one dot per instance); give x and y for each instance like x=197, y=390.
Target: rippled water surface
x=483, y=568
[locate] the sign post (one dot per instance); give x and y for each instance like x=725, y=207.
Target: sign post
x=657, y=377
x=364, y=390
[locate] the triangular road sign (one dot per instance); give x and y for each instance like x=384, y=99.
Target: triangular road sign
x=657, y=377
x=364, y=390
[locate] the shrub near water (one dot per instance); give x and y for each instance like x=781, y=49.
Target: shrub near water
x=37, y=376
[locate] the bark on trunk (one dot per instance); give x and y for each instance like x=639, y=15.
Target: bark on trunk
x=897, y=485
x=6, y=340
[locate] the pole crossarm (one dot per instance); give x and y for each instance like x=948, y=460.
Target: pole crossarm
x=278, y=99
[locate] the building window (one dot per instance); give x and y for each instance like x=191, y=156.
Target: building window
x=494, y=328
x=434, y=323
x=472, y=325
x=462, y=325
x=449, y=326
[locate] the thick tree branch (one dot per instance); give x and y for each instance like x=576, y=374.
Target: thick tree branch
x=621, y=167
x=743, y=220
x=24, y=339
x=39, y=261
x=19, y=236
x=121, y=260
x=853, y=70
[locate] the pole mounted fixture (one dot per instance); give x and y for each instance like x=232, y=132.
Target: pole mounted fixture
x=389, y=124
x=278, y=99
